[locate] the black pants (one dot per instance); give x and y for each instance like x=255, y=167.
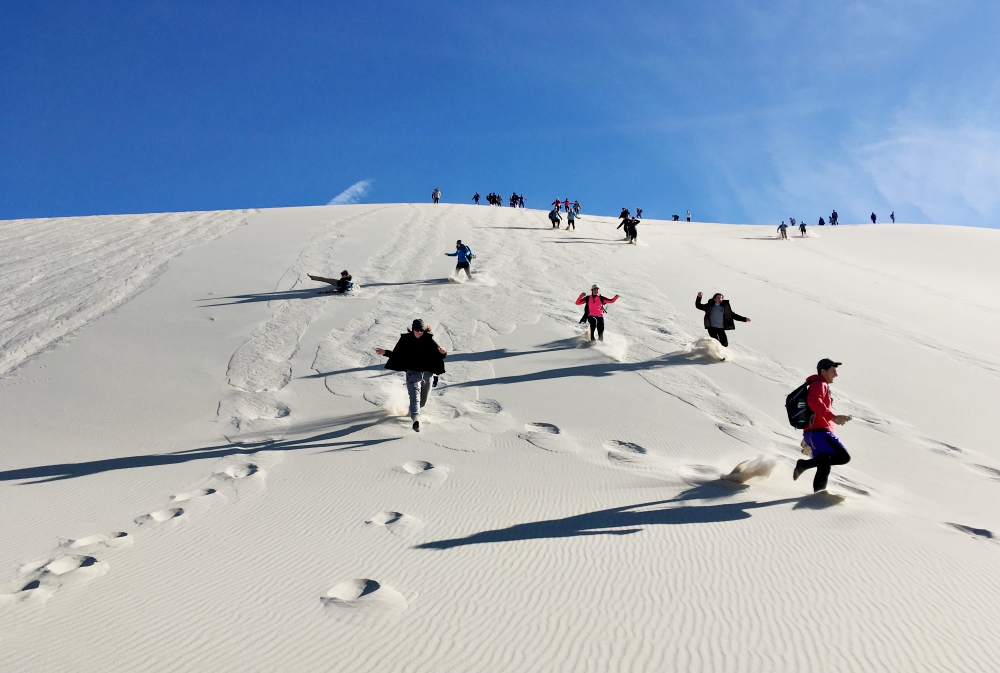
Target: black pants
x=822, y=463
x=596, y=324
x=463, y=266
x=719, y=335
x=571, y=223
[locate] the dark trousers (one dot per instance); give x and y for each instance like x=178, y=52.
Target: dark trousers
x=719, y=335
x=463, y=266
x=596, y=324
x=822, y=443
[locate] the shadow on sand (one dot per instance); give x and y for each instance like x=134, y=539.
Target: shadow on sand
x=323, y=439
x=618, y=520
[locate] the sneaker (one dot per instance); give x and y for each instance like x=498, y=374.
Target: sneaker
x=416, y=425
x=434, y=382
x=797, y=472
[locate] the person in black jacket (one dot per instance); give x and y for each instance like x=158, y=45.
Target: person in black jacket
x=417, y=354
x=719, y=317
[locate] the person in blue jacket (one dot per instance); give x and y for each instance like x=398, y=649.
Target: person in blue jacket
x=465, y=258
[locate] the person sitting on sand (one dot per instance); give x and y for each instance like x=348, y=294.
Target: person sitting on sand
x=342, y=285
x=417, y=354
x=719, y=317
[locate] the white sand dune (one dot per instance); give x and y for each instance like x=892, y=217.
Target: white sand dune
x=205, y=466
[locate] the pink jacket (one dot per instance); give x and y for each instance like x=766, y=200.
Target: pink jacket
x=593, y=303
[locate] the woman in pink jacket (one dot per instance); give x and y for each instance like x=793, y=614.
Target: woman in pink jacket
x=593, y=311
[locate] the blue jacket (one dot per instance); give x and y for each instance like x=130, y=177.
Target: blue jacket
x=464, y=254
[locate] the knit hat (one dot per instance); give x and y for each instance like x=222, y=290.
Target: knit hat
x=418, y=324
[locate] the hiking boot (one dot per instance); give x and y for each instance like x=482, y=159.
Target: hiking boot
x=416, y=425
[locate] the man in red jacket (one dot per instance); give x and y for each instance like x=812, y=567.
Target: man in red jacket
x=826, y=448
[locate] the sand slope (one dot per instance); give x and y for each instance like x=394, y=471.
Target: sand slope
x=210, y=472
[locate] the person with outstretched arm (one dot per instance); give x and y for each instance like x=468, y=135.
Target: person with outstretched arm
x=719, y=317
x=475, y=197
x=827, y=449
x=465, y=258
x=593, y=310
x=341, y=286
x=417, y=354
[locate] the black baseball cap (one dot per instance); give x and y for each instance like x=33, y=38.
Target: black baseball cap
x=826, y=363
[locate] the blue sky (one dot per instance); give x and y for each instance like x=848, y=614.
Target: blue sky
x=738, y=111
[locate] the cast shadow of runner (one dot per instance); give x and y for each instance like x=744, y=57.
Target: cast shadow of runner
x=614, y=521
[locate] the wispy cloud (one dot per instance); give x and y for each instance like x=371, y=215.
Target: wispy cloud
x=352, y=194
x=950, y=174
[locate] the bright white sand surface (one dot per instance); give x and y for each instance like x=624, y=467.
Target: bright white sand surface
x=202, y=466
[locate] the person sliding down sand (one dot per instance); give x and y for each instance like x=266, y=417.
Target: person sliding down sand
x=818, y=435
x=343, y=285
x=465, y=257
x=593, y=310
x=417, y=354
x=719, y=317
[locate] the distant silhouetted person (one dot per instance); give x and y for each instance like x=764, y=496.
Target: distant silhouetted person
x=689, y=215
x=873, y=218
x=476, y=198
x=892, y=216
x=833, y=218
x=436, y=195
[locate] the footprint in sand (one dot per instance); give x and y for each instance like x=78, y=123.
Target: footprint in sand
x=159, y=516
x=625, y=452
x=114, y=540
x=364, y=597
x=977, y=533
x=40, y=580
x=985, y=470
x=396, y=523
x=426, y=473
x=240, y=471
x=487, y=416
x=548, y=437
x=191, y=495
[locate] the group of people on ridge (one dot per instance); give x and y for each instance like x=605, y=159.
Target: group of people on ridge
x=494, y=199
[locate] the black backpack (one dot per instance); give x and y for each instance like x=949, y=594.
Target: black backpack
x=797, y=407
